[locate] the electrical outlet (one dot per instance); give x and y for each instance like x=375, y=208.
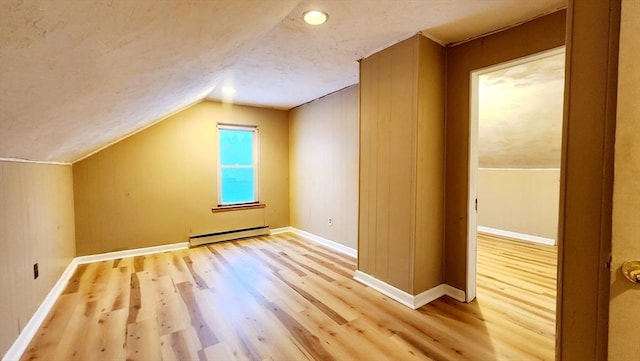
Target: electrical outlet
x=330, y=221
x=35, y=271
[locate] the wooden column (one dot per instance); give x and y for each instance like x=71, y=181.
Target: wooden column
x=402, y=165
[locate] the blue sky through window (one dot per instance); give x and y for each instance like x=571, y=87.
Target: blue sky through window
x=236, y=147
x=237, y=165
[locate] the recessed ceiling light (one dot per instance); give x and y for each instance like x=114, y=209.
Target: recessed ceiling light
x=315, y=17
x=227, y=90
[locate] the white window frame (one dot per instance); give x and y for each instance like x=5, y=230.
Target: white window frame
x=255, y=166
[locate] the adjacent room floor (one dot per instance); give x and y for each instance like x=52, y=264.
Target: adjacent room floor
x=282, y=297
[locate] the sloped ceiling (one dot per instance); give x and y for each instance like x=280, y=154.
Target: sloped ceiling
x=520, y=115
x=78, y=75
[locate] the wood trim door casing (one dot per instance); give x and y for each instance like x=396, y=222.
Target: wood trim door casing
x=538, y=35
x=584, y=230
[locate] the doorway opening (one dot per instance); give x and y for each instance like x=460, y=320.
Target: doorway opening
x=514, y=182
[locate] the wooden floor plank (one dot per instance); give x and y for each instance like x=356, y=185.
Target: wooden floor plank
x=143, y=341
x=282, y=297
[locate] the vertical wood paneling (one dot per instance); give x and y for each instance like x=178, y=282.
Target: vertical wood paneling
x=36, y=225
x=350, y=170
x=394, y=114
x=382, y=158
x=365, y=210
x=324, y=166
x=371, y=168
x=364, y=236
x=429, y=215
x=401, y=147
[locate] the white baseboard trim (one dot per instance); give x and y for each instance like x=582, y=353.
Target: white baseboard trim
x=386, y=289
x=522, y=236
x=323, y=241
x=281, y=230
x=131, y=253
x=455, y=293
x=229, y=236
x=24, y=338
x=409, y=300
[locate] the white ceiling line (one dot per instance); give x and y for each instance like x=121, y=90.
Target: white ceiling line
x=19, y=160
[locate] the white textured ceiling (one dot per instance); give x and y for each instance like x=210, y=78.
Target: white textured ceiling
x=520, y=115
x=76, y=75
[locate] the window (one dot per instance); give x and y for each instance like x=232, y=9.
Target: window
x=238, y=165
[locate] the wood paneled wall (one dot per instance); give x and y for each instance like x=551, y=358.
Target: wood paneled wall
x=402, y=165
x=538, y=35
x=323, y=166
x=36, y=226
x=158, y=186
x=428, y=263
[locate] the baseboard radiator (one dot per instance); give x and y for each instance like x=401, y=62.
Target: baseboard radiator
x=228, y=235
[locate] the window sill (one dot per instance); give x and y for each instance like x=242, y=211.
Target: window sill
x=237, y=207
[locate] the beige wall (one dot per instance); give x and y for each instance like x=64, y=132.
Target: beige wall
x=541, y=34
x=624, y=318
x=36, y=226
x=402, y=165
x=323, y=160
x=158, y=186
x=519, y=200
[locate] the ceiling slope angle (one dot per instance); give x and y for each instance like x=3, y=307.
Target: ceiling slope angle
x=76, y=76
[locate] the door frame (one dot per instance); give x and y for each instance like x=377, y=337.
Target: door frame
x=472, y=252
x=584, y=232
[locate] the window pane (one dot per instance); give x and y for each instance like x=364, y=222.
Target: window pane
x=237, y=185
x=236, y=147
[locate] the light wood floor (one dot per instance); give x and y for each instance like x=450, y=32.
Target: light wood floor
x=284, y=298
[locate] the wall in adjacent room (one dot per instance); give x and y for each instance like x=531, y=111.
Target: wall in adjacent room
x=541, y=34
x=323, y=142
x=519, y=200
x=158, y=186
x=36, y=226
